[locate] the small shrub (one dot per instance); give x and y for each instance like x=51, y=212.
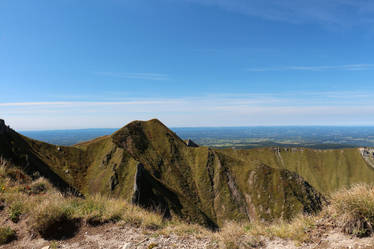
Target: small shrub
x=40, y=186
x=15, y=211
x=54, y=245
x=17, y=175
x=7, y=235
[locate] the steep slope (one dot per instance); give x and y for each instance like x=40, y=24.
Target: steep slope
x=35, y=157
x=194, y=183
x=148, y=164
x=325, y=170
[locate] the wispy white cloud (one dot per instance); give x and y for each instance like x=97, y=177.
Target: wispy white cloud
x=139, y=76
x=351, y=67
x=87, y=103
x=293, y=108
x=341, y=12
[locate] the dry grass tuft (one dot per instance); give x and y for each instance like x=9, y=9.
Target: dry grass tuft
x=98, y=209
x=297, y=229
x=251, y=235
x=54, y=218
x=237, y=235
x=139, y=217
x=353, y=209
x=15, y=211
x=40, y=186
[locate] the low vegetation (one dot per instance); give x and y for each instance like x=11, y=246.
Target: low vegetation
x=7, y=235
x=53, y=216
x=353, y=209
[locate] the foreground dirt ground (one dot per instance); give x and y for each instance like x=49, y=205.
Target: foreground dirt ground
x=125, y=237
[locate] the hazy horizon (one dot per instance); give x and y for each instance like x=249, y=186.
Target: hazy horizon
x=213, y=127
x=322, y=137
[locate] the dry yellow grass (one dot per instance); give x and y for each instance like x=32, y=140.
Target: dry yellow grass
x=139, y=217
x=352, y=209
x=47, y=211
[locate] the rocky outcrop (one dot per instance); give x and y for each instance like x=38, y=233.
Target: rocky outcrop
x=281, y=193
x=3, y=127
x=191, y=143
x=145, y=192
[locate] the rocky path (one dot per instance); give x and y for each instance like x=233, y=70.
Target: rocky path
x=116, y=237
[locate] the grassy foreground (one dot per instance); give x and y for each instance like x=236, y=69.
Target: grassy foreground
x=48, y=214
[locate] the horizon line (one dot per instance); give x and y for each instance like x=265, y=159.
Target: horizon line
x=196, y=127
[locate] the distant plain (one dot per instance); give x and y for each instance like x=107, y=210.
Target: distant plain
x=318, y=137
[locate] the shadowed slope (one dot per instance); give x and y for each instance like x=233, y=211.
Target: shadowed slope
x=35, y=157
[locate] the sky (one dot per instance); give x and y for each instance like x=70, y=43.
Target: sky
x=71, y=64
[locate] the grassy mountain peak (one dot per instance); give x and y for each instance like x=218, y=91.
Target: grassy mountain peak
x=145, y=160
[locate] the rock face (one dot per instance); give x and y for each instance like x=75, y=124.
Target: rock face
x=280, y=193
x=146, y=193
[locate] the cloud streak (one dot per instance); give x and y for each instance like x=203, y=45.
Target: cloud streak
x=136, y=76
x=351, y=67
x=86, y=103
x=294, y=108
x=337, y=12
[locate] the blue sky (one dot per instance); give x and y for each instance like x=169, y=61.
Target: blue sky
x=89, y=64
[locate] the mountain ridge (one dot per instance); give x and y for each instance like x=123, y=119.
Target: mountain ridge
x=198, y=184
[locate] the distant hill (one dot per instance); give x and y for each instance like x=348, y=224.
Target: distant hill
x=147, y=163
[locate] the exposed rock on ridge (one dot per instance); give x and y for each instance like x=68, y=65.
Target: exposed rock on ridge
x=281, y=193
x=3, y=127
x=144, y=192
x=191, y=143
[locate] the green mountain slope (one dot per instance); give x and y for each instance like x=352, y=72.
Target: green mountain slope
x=148, y=164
